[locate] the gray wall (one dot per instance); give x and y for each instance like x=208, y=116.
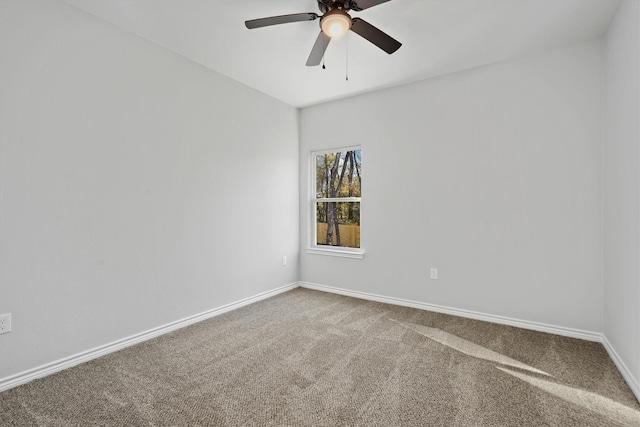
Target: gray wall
x=492, y=175
x=137, y=188
x=621, y=137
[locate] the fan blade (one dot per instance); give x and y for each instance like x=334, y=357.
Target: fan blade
x=375, y=36
x=317, y=52
x=359, y=5
x=282, y=19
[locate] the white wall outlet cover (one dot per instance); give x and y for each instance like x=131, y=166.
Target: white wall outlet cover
x=434, y=274
x=5, y=323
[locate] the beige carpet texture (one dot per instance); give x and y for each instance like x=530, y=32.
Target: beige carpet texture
x=309, y=358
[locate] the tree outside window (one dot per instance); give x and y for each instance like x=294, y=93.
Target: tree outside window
x=338, y=184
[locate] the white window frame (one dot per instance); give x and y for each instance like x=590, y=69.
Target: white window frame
x=313, y=248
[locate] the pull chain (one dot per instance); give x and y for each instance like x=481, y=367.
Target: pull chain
x=324, y=41
x=346, y=73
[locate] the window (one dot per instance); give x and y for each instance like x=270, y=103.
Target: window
x=335, y=202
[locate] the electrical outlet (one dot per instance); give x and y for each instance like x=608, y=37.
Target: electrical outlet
x=5, y=323
x=284, y=260
x=434, y=274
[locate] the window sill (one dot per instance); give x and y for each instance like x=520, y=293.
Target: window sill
x=354, y=254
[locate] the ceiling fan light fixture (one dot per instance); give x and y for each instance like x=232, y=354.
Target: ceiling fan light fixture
x=335, y=23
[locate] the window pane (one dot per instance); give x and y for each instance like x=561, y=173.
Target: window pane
x=346, y=215
x=338, y=174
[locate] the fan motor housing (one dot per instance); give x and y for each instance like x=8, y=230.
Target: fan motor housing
x=327, y=5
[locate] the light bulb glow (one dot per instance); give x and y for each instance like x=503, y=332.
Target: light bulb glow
x=336, y=29
x=335, y=23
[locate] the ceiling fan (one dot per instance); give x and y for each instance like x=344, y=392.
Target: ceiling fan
x=335, y=21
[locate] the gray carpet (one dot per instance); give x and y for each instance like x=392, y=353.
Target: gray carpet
x=307, y=358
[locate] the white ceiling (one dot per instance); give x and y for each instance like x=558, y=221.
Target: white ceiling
x=438, y=36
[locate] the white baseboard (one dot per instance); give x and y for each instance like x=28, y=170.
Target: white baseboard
x=85, y=356
x=634, y=384
x=525, y=324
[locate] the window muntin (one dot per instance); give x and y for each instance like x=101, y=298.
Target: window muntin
x=336, y=207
